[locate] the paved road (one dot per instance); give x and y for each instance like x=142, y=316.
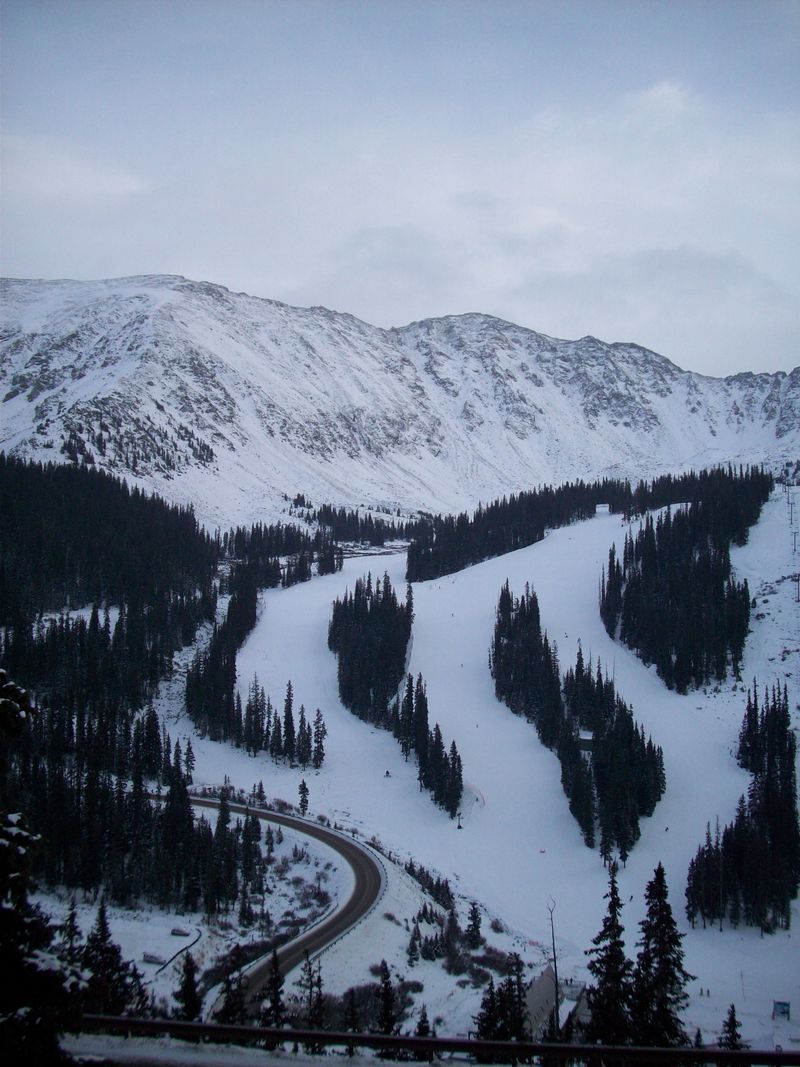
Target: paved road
x=368, y=874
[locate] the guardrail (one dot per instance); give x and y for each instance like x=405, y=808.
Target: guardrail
x=424, y=1048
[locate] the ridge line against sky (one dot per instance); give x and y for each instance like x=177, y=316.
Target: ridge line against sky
x=622, y=169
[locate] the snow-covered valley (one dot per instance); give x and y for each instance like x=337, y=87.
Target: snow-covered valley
x=520, y=849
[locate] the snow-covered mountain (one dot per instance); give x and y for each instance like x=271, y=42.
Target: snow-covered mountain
x=232, y=402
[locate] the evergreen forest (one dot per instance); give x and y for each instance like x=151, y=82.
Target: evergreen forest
x=611, y=773
x=101, y=586
x=445, y=544
x=369, y=631
x=749, y=872
x=673, y=598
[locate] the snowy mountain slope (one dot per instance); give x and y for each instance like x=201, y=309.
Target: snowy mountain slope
x=228, y=401
x=520, y=847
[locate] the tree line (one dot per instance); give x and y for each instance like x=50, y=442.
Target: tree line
x=104, y=834
x=611, y=773
x=451, y=542
x=750, y=871
x=672, y=597
x=71, y=536
x=263, y=547
x=348, y=525
x=445, y=544
x=369, y=631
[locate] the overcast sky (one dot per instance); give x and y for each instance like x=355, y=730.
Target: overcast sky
x=625, y=169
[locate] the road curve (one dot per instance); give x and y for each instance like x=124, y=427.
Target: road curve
x=369, y=880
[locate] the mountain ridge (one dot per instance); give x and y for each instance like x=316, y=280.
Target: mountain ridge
x=235, y=403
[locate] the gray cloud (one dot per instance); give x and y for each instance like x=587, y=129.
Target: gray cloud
x=397, y=164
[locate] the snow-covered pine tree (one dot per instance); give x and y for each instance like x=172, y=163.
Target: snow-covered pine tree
x=187, y=995
x=610, y=995
x=659, y=979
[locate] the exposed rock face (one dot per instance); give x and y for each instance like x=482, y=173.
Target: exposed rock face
x=229, y=402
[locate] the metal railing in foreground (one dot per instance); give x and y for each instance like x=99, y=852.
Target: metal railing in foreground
x=423, y=1047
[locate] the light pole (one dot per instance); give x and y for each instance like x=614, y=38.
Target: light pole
x=551, y=907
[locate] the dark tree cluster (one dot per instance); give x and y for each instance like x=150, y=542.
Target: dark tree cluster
x=524, y=665
x=672, y=597
x=74, y=536
x=139, y=444
x=263, y=548
x=344, y=525
x=445, y=544
x=440, y=769
x=446, y=940
x=38, y=996
x=50, y=973
x=625, y=769
x=611, y=773
x=503, y=1014
x=104, y=838
x=211, y=699
x=369, y=631
x=436, y=887
x=114, y=985
x=638, y=1003
x=450, y=543
x=263, y=729
x=103, y=834
x=750, y=872
x=88, y=664
x=718, y=486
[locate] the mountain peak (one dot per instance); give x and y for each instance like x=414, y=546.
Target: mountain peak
x=231, y=402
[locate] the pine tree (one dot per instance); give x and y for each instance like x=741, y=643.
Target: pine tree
x=304, y=748
x=320, y=733
x=190, y=1003
x=70, y=934
x=310, y=984
x=412, y=952
x=423, y=1029
x=473, y=931
x=114, y=986
x=352, y=1018
x=731, y=1033
x=303, y=793
x=610, y=995
x=273, y=1010
x=387, y=1010
x=512, y=1008
x=316, y=1017
x=289, y=735
x=39, y=994
x=487, y=1020
x=306, y=985
x=233, y=1010
x=660, y=979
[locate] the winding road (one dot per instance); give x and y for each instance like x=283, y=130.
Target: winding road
x=369, y=882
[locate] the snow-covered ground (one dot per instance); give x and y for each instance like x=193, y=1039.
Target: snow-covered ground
x=145, y=935
x=520, y=849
